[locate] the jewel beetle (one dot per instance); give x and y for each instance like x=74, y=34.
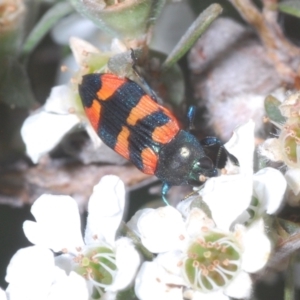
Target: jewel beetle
x=133, y=124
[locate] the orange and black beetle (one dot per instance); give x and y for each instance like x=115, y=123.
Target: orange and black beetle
x=132, y=123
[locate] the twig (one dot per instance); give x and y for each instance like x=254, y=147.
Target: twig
x=279, y=50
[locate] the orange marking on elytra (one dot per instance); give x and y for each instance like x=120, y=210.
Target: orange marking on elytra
x=163, y=134
x=122, y=145
x=109, y=84
x=93, y=113
x=145, y=107
x=149, y=159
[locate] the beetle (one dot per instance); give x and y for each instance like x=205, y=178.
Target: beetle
x=133, y=124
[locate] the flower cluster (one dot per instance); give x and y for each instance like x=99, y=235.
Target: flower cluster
x=200, y=251
x=289, y=136
x=286, y=147
x=93, y=268
x=208, y=254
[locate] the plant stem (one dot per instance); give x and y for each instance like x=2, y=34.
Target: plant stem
x=289, y=290
x=192, y=34
x=49, y=19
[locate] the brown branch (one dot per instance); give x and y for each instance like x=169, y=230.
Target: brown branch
x=279, y=50
x=26, y=184
x=253, y=16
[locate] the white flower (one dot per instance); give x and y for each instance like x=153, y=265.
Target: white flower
x=45, y=128
x=286, y=147
x=270, y=148
x=290, y=106
x=229, y=196
x=108, y=264
x=273, y=150
x=213, y=256
x=166, y=221
x=197, y=262
x=32, y=274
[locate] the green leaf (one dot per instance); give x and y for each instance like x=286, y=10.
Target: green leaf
x=49, y=19
x=124, y=19
x=290, y=280
x=15, y=88
x=127, y=294
x=291, y=7
x=272, y=110
x=289, y=227
x=198, y=27
x=10, y=42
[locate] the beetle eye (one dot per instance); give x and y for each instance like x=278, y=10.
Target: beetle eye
x=206, y=163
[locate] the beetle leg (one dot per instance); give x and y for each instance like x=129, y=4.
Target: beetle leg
x=164, y=190
x=214, y=148
x=134, y=62
x=191, y=117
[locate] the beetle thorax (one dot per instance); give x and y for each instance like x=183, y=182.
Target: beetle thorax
x=177, y=159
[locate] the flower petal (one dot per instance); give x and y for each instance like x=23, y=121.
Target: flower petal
x=161, y=229
x=185, y=206
x=133, y=222
x=109, y=296
x=30, y=274
x=127, y=262
x=198, y=221
x=171, y=261
x=269, y=186
x=61, y=100
x=195, y=295
x=270, y=148
x=240, y=287
x=69, y=287
x=105, y=208
x=150, y=284
x=57, y=224
x=2, y=295
x=227, y=197
x=290, y=105
x=292, y=177
x=254, y=257
x=65, y=262
x=81, y=49
x=241, y=145
x=42, y=131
